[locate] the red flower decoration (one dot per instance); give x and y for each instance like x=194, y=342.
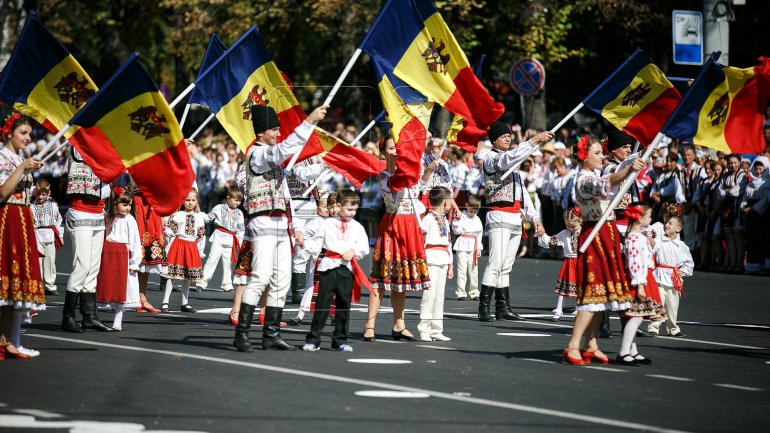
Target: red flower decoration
x=118, y=190
x=576, y=211
x=633, y=212
x=9, y=122
x=582, y=148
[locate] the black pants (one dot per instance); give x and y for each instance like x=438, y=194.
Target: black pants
x=334, y=282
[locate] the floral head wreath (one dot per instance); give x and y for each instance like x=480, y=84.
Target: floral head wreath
x=8, y=123
x=118, y=191
x=634, y=212
x=581, y=148
x=604, y=145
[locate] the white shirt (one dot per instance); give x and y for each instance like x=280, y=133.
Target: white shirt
x=340, y=236
x=672, y=253
x=638, y=258
x=46, y=215
x=507, y=160
x=564, y=239
x=468, y=225
x=193, y=230
x=435, y=234
x=228, y=219
x=126, y=231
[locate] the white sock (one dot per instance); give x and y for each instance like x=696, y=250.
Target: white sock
x=635, y=352
x=119, y=308
x=185, y=292
x=169, y=288
x=559, y=303
x=18, y=316
x=629, y=334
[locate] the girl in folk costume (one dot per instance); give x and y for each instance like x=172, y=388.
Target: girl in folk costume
x=601, y=277
x=85, y=223
x=187, y=232
x=398, y=262
x=21, y=288
x=509, y=204
x=117, y=284
x=754, y=206
x=733, y=220
x=646, y=301
x=567, y=239
x=49, y=233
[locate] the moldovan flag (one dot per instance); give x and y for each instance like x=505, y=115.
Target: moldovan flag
x=356, y=165
x=409, y=130
x=214, y=50
x=724, y=108
x=128, y=125
x=637, y=98
x=43, y=80
x=411, y=39
x=243, y=76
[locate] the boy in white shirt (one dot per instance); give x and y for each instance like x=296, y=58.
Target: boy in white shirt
x=673, y=261
x=226, y=239
x=438, y=256
x=344, y=243
x=469, y=230
x=49, y=233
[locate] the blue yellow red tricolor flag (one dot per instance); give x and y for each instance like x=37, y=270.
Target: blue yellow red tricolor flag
x=43, y=80
x=243, y=76
x=356, y=165
x=411, y=39
x=214, y=50
x=724, y=108
x=128, y=125
x=637, y=98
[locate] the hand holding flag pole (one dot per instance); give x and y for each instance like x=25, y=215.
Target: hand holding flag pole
x=627, y=182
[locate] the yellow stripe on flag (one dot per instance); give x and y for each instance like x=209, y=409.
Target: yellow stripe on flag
x=646, y=87
x=135, y=146
x=398, y=113
x=235, y=116
x=710, y=130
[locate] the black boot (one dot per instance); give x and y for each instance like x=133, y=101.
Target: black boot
x=68, y=322
x=485, y=300
x=241, y=340
x=271, y=332
x=88, y=310
x=503, y=305
x=604, y=331
x=298, y=282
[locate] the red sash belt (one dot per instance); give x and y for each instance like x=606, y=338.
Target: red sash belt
x=676, y=278
x=510, y=208
x=236, y=245
x=56, y=239
x=90, y=205
x=475, y=246
x=444, y=248
x=359, y=276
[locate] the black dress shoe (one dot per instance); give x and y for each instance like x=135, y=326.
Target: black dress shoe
x=401, y=336
x=643, y=333
x=462, y=298
x=677, y=335
x=642, y=360
x=626, y=360
x=187, y=308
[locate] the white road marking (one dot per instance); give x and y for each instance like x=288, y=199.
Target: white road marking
x=742, y=388
x=732, y=325
x=379, y=361
x=391, y=394
x=714, y=343
x=3, y=405
x=374, y=384
x=434, y=347
x=522, y=334
x=215, y=311
x=24, y=421
x=544, y=361
x=677, y=378
x=38, y=413
x=614, y=370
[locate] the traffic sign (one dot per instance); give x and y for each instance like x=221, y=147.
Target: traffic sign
x=687, y=37
x=527, y=76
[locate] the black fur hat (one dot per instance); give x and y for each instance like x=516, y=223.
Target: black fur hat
x=497, y=130
x=617, y=139
x=263, y=118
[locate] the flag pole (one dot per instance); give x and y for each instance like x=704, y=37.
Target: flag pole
x=554, y=129
x=627, y=182
x=59, y=147
x=318, y=180
x=53, y=140
x=184, y=116
x=203, y=125
x=182, y=95
x=364, y=131
x=329, y=98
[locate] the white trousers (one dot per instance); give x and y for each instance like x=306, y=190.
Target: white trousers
x=218, y=253
x=300, y=260
x=671, y=302
x=466, y=271
x=48, y=264
x=86, y=260
x=270, y=265
x=503, y=247
x=432, y=304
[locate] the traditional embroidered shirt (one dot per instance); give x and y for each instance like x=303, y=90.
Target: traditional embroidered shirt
x=46, y=216
x=189, y=226
x=593, y=195
x=638, y=258
x=468, y=226
x=505, y=192
x=229, y=219
x=340, y=236
x=402, y=202
x=438, y=247
x=303, y=208
x=565, y=239
x=125, y=231
x=22, y=192
x=672, y=252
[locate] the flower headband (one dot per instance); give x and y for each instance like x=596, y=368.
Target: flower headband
x=581, y=149
x=576, y=211
x=634, y=212
x=118, y=190
x=8, y=123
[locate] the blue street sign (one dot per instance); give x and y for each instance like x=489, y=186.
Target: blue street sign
x=687, y=38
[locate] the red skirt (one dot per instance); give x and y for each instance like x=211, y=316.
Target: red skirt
x=20, y=283
x=601, y=276
x=184, y=261
x=566, y=284
x=150, y=232
x=398, y=262
x=652, y=306
x=111, y=283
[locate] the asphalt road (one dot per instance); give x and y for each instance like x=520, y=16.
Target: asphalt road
x=179, y=372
